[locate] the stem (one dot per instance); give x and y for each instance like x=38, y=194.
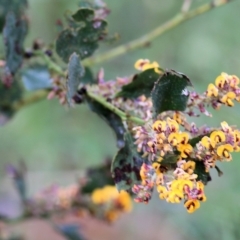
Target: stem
x=51, y=65
x=117, y=111
x=35, y=97
x=145, y=39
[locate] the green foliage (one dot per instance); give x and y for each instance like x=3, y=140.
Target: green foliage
x=84, y=38
x=83, y=14
x=126, y=165
x=36, y=77
x=14, y=34
x=98, y=177
x=6, y=6
x=170, y=92
x=201, y=172
x=142, y=84
x=8, y=95
x=113, y=120
x=75, y=72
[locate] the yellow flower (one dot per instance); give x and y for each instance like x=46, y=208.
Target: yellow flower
x=192, y=205
x=180, y=184
x=207, y=142
x=124, y=201
x=105, y=194
x=145, y=64
x=178, y=117
x=184, y=137
x=156, y=166
x=200, y=185
x=175, y=196
x=139, y=64
x=159, y=126
x=163, y=192
x=224, y=151
x=173, y=125
x=217, y=137
x=189, y=167
x=236, y=135
x=227, y=99
x=185, y=150
x=221, y=80
x=212, y=90
x=174, y=138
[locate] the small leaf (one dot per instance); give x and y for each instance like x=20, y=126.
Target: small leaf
x=36, y=77
x=99, y=177
x=201, y=172
x=126, y=165
x=83, y=14
x=82, y=39
x=75, y=72
x=113, y=120
x=142, y=84
x=8, y=95
x=14, y=33
x=170, y=93
x=194, y=141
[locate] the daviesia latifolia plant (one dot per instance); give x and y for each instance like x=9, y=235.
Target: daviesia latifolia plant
x=152, y=112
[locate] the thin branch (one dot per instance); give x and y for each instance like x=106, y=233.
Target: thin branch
x=117, y=111
x=147, y=38
x=51, y=65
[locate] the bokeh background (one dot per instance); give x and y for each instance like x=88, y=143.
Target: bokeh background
x=58, y=144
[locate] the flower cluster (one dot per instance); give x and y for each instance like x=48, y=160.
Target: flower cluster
x=218, y=146
x=225, y=90
x=167, y=141
x=112, y=201
x=174, y=148
x=104, y=203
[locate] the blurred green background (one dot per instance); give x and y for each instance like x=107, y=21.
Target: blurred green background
x=55, y=142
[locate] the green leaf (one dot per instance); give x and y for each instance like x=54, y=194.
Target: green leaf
x=83, y=14
x=113, y=120
x=75, y=72
x=82, y=39
x=201, y=172
x=14, y=33
x=36, y=77
x=142, y=84
x=170, y=158
x=170, y=93
x=126, y=165
x=6, y=6
x=99, y=177
x=8, y=95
